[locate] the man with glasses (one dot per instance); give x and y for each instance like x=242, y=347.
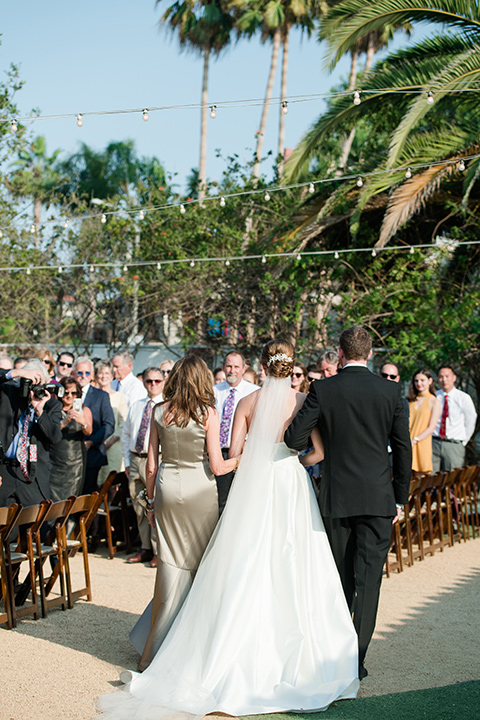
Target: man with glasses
x=165, y=368
x=125, y=381
x=64, y=365
x=135, y=439
x=103, y=421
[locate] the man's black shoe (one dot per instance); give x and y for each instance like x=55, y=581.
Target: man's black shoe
x=362, y=671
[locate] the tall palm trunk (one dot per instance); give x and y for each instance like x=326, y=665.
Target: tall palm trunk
x=266, y=104
x=202, y=170
x=283, y=95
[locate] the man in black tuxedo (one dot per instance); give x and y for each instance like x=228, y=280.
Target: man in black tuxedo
x=358, y=414
x=103, y=422
x=26, y=482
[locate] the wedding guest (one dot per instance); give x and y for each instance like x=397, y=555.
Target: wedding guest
x=20, y=363
x=425, y=409
x=262, y=375
x=299, y=378
x=250, y=376
x=47, y=358
x=456, y=424
x=135, y=439
x=125, y=381
x=104, y=378
x=6, y=362
x=218, y=376
x=185, y=427
x=328, y=363
x=314, y=372
x=227, y=396
x=69, y=456
x=64, y=365
x=165, y=368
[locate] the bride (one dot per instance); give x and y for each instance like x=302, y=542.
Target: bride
x=265, y=626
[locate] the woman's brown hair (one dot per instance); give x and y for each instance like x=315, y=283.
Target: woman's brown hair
x=280, y=367
x=412, y=390
x=69, y=382
x=45, y=354
x=189, y=391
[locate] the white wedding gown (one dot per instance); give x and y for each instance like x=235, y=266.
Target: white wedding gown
x=265, y=626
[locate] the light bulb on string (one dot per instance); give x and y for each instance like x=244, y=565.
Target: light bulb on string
x=145, y=115
x=359, y=181
x=182, y=209
x=60, y=269
x=103, y=219
x=1, y=234
x=374, y=253
x=159, y=266
x=32, y=229
x=91, y=269
x=264, y=259
x=192, y=263
x=213, y=112
x=336, y=255
x=222, y=201
x=408, y=173
x=311, y=188
x=65, y=224
x=356, y=98
x=430, y=99
x=29, y=271
x=141, y=215
x=299, y=257
x=412, y=250
x=14, y=126
x=79, y=120
x=125, y=269
x=284, y=107
x=267, y=195
x=227, y=262
x=461, y=165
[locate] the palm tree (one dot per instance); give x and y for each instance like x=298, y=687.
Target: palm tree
x=432, y=135
x=203, y=27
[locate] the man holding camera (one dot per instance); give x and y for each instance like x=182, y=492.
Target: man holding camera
x=29, y=424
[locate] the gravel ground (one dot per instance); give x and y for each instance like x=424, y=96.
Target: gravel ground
x=52, y=669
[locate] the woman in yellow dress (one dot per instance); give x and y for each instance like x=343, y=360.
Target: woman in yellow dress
x=425, y=409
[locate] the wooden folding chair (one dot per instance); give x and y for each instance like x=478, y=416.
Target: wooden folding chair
x=29, y=521
x=7, y=520
x=402, y=534
x=54, y=547
x=84, y=507
x=121, y=503
x=103, y=509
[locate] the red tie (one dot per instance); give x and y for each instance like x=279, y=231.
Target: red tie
x=443, y=421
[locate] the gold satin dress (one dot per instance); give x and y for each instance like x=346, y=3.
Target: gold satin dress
x=186, y=512
x=419, y=421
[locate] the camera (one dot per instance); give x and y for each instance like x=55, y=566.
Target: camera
x=39, y=391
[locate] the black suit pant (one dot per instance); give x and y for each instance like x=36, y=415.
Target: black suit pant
x=15, y=489
x=360, y=545
x=224, y=483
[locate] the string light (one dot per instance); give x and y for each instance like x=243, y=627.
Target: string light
x=60, y=269
x=159, y=266
x=213, y=112
x=32, y=229
x=1, y=234
x=461, y=166
x=267, y=195
x=264, y=259
x=359, y=181
x=374, y=253
x=227, y=262
x=299, y=257
x=356, y=98
x=79, y=120
x=182, y=209
x=145, y=115
x=284, y=107
x=408, y=173
x=91, y=268
x=311, y=188
x=29, y=272
x=14, y=126
x=103, y=219
x=192, y=263
x=430, y=99
x=125, y=269
x=412, y=250
x=65, y=224
x=141, y=215
x=336, y=255
x=222, y=201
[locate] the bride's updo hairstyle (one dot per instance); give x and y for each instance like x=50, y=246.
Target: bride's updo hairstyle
x=278, y=356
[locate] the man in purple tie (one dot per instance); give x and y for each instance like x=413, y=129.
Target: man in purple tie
x=227, y=394
x=135, y=438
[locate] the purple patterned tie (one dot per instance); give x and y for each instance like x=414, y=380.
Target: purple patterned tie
x=147, y=414
x=22, y=449
x=227, y=418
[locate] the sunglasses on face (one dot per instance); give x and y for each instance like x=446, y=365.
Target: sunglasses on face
x=64, y=364
x=165, y=372
x=388, y=377
x=46, y=361
x=297, y=374
x=311, y=379
x=67, y=393
x=153, y=381
x=81, y=373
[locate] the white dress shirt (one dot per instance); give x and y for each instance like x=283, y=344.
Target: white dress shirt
x=132, y=388
x=131, y=427
x=222, y=391
x=461, y=416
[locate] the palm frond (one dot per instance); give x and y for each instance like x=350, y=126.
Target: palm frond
x=472, y=175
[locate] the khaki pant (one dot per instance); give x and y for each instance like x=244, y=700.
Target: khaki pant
x=136, y=483
x=447, y=455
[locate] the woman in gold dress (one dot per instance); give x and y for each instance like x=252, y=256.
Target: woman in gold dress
x=425, y=410
x=181, y=493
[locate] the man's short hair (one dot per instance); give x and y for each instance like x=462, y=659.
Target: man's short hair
x=39, y=365
x=126, y=356
x=446, y=367
x=83, y=359
x=151, y=369
x=66, y=352
x=314, y=367
x=356, y=343
x=329, y=356
x=389, y=362
x=235, y=352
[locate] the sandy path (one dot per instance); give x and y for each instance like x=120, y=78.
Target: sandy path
x=427, y=636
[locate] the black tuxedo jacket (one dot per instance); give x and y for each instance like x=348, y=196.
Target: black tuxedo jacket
x=357, y=413
x=45, y=430
x=102, y=427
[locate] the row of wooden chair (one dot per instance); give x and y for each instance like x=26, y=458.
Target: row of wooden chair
x=442, y=510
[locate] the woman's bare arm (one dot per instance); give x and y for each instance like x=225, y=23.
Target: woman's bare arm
x=218, y=465
x=436, y=410
x=152, y=458
x=318, y=453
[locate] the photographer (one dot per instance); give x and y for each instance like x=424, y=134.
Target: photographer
x=29, y=424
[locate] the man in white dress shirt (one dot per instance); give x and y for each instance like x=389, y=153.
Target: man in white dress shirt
x=125, y=381
x=227, y=395
x=456, y=425
x=135, y=438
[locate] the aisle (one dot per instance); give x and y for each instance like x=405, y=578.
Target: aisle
x=427, y=636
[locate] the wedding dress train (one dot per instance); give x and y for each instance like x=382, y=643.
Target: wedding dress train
x=265, y=626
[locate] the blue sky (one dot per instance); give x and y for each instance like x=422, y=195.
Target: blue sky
x=110, y=55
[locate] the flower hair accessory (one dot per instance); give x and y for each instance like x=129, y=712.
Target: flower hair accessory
x=278, y=356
